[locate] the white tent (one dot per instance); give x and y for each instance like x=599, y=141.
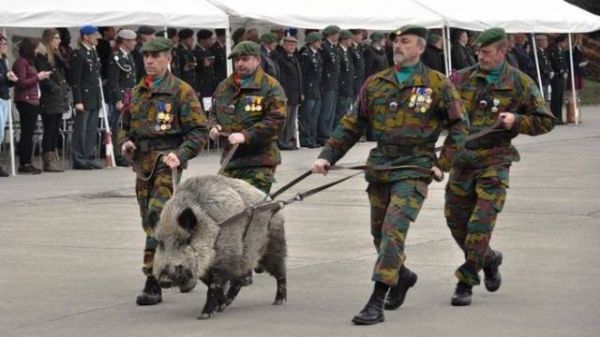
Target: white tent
x=550, y=16
x=74, y=13
x=373, y=14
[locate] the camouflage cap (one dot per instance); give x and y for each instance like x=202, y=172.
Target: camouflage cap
x=376, y=37
x=157, y=45
x=345, y=34
x=269, y=38
x=413, y=30
x=489, y=36
x=245, y=48
x=330, y=30
x=313, y=37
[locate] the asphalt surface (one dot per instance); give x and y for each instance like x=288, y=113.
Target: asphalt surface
x=71, y=252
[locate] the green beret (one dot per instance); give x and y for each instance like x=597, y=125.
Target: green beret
x=376, y=37
x=157, y=45
x=490, y=36
x=330, y=30
x=313, y=37
x=433, y=38
x=269, y=38
x=345, y=34
x=245, y=48
x=413, y=30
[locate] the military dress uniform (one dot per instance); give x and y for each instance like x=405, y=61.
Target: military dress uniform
x=164, y=116
x=85, y=85
x=478, y=180
x=204, y=74
x=311, y=64
x=329, y=86
x=405, y=115
x=256, y=107
x=346, y=84
x=121, y=74
x=358, y=60
x=560, y=66
x=546, y=72
x=187, y=65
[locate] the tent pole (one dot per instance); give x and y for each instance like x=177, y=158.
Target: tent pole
x=13, y=169
x=446, y=51
x=537, y=65
x=573, y=81
x=449, y=49
x=228, y=46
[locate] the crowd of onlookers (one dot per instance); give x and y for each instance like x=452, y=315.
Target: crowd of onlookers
x=321, y=78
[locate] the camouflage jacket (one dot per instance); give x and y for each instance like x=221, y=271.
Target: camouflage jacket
x=166, y=116
x=257, y=109
x=513, y=92
x=406, y=120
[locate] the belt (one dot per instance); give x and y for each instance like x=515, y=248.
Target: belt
x=392, y=150
x=158, y=144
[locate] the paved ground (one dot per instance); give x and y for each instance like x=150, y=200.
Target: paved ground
x=71, y=247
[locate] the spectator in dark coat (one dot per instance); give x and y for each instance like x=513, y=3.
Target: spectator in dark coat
x=375, y=58
x=27, y=100
x=290, y=77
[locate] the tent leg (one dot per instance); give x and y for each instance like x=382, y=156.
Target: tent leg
x=574, y=93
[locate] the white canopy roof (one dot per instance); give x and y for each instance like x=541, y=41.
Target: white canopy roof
x=74, y=13
x=372, y=14
x=549, y=16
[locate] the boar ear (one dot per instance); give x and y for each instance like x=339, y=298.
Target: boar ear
x=187, y=219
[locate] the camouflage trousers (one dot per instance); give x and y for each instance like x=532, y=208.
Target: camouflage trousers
x=259, y=177
x=474, y=197
x=393, y=207
x=152, y=196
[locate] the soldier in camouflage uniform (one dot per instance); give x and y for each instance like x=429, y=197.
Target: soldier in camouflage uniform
x=478, y=181
x=250, y=106
x=404, y=109
x=164, y=118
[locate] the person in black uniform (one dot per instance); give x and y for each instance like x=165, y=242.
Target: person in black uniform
x=220, y=64
x=330, y=82
x=85, y=77
x=346, y=82
x=375, y=58
x=144, y=34
x=205, y=62
x=187, y=58
x=121, y=78
x=546, y=73
x=312, y=69
x=290, y=78
x=358, y=58
x=560, y=66
x=433, y=57
x=269, y=55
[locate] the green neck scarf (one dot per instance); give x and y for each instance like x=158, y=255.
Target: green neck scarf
x=405, y=73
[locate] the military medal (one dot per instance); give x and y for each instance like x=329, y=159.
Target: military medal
x=168, y=107
x=413, y=99
x=393, y=106
x=231, y=109
x=496, y=102
x=483, y=104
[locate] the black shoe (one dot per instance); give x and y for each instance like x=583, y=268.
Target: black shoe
x=3, y=173
x=397, y=294
x=493, y=279
x=373, y=311
x=151, y=295
x=29, y=169
x=462, y=294
x=96, y=166
x=81, y=167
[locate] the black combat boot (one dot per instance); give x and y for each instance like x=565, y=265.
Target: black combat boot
x=373, y=311
x=152, y=294
x=462, y=294
x=397, y=294
x=493, y=279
